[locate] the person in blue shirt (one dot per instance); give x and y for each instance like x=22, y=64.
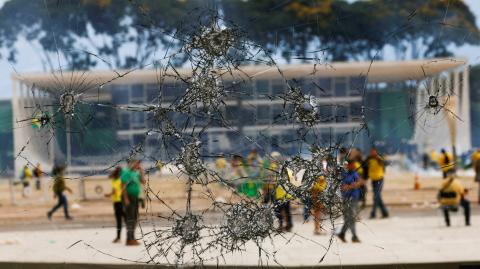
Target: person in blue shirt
x=351, y=194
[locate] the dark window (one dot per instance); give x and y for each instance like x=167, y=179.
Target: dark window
x=123, y=143
x=138, y=120
x=120, y=95
x=340, y=86
x=217, y=119
x=138, y=139
x=342, y=113
x=231, y=88
x=232, y=114
x=324, y=87
x=152, y=93
x=278, y=87
x=124, y=121
x=327, y=138
x=246, y=90
x=341, y=138
x=289, y=137
x=169, y=92
x=137, y=94
x=200, y=121
x=277, y=114
x=247, y=116
x=178, y=118
x=205, y=144
x=309, y=87
x=137, y=91
x=153, y=142
x=356, y=111
x=356, y=85
x=263, y=88
x=326, y=113
x=263, y=114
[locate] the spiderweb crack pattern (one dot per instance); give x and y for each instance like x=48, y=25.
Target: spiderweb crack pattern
x=215, y=54
x=204, y=88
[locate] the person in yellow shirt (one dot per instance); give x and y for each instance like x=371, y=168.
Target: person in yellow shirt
x=282, y=204
x=26, y=179
x=116, y=195
x=317, y=206
x=375, y=172
x=446, y=162
x=476, y=168
x=451, y=195
x=269, y=177
x=221, y=167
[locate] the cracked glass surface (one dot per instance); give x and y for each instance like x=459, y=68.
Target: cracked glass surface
x=209, y=90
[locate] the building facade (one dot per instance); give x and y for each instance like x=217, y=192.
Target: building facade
x=363, y=104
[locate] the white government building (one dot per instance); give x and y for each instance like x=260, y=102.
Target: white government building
x=250, y=113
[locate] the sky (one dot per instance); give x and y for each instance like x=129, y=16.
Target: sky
x=29, y=61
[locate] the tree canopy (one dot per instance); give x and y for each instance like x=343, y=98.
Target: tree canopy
x=359, y=29
x=128, y=33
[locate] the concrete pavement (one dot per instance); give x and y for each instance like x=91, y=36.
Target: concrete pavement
x=398, y=241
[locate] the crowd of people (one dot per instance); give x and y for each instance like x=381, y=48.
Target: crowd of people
x=258, y=178
x=27, y=176
x=127, y=184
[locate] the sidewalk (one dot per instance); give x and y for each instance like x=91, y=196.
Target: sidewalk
x=398, y=240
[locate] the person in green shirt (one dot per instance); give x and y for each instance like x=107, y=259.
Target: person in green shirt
x=251, y=188
x=132, y=179
x=59, y=187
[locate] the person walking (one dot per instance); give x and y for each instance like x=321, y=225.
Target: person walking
x=376, y=172
x=451, y=195
x=238, y=173
x=116, y=195
x=282, y=205
x=251, y=185
x=38, y=173
x=132, y=179
x=26, y=178
x=59, y=188
x=270, y=174
x=317, y=204
x=221, y=167
x=446, y=162
x=359, y=168
x=476, y=168
x=350, y=189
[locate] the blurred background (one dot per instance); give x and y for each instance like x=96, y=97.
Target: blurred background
x=399, y=76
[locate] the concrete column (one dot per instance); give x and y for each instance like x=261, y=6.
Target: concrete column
x=16, y=142
x=464, y=125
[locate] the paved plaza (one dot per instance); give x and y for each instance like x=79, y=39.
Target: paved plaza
x=397, y=240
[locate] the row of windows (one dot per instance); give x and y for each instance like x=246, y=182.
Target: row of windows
x=246, y=90
x=134, y=94
x=257, y=115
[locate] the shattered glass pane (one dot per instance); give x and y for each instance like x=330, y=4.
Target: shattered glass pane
x=237, y=112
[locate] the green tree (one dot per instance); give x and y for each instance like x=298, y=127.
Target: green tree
x=428, y=28
x=132, y=33
x=356, y=30
x=120, y=33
